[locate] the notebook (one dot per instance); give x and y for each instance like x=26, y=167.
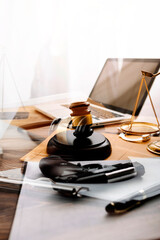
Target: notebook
x=113, y=96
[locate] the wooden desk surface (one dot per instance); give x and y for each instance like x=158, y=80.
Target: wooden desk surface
x=84, y=218
x=121, y=149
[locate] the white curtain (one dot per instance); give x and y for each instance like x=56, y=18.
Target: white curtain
x=56, y=46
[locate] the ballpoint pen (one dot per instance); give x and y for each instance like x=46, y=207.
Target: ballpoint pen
x=133, y=201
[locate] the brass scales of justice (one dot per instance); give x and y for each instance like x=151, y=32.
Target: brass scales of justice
x=143, y=128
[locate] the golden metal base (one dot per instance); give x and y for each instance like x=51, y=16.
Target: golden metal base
x=139, y=128
x=134, y=138
x=154, y=147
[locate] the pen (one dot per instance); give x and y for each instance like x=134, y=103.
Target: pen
x=135, y=200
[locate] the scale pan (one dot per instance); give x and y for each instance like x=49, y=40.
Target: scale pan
x=154, y=147
x=139, y=128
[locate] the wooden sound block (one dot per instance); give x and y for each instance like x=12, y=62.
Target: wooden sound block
x=95, y=147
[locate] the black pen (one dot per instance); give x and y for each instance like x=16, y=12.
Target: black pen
x=135, y=200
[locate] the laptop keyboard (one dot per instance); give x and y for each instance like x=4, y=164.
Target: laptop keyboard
x=99, y=113
x=102, y=113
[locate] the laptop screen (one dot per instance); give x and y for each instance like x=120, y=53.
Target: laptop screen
x=118, y=83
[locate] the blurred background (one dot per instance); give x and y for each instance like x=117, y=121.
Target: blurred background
x=56, y=46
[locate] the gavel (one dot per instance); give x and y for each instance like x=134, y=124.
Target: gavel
x=80, y=142
x=81, y=119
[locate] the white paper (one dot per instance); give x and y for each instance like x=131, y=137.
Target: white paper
x=38, y=211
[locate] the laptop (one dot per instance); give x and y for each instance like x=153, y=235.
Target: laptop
x=112, y=98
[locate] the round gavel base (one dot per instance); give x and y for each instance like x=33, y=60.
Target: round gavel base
x=66, y=145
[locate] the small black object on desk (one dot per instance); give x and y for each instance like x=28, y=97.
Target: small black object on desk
x=80, y=143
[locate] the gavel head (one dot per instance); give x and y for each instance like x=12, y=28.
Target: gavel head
x=81, y=119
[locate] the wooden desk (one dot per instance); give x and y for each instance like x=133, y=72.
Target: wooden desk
x=121, y=149
x=85, y=217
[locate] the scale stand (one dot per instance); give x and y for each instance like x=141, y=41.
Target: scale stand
x=140, y=128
